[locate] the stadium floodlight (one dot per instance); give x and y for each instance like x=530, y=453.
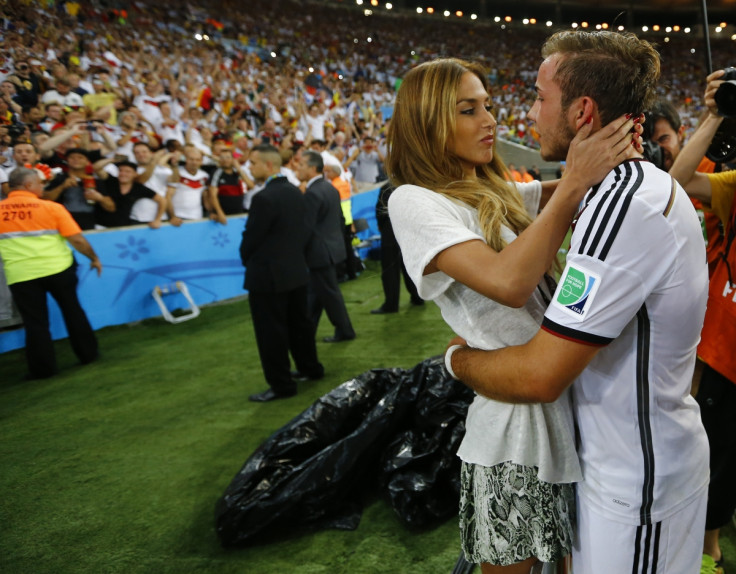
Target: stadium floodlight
x=474, y=16
x=389, y=6
x=419, y=10
x=549, y=23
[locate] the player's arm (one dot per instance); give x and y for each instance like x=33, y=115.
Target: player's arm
x=537, y=372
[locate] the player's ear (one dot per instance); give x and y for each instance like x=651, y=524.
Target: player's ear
x=584, y=108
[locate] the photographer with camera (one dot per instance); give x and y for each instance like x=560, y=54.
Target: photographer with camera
x=664, y=136
x=717, y=390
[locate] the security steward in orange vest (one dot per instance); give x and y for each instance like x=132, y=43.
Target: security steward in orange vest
x=37, y=260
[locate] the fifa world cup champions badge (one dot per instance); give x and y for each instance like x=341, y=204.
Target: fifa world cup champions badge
x=576, y=291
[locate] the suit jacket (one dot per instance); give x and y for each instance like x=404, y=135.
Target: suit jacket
x=325, y=225
x=274, y=240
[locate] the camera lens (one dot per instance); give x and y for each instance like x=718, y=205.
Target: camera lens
x=726, y=94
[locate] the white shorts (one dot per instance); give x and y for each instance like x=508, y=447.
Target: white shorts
x=672, y=546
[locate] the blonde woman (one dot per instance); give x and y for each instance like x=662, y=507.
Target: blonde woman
x=469, y=244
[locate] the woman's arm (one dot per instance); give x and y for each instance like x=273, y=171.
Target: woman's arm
x=511, y=275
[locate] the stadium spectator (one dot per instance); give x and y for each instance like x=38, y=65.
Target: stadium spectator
x=186, y=196
x=76, y=190
x=27, y=83
x=366, y=162
x=125, y=192
x=226, y=187
x=62, y=94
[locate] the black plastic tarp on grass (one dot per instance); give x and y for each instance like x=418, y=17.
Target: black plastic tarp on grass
x=392, y=431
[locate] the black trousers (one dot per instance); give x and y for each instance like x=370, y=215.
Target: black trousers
x=352, y=264
x=282, y=325
x=325, y=294
x=717, y=399
x=392, y=267
x=31, y=299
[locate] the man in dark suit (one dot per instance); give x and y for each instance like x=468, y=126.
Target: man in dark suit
x=325, y=247
x=273, y=252
x=392, y=264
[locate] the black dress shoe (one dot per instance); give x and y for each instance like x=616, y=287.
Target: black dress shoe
x=300, y=377
x=336, y=339
x=417, y=302
x=269, y=395
x=382, y=311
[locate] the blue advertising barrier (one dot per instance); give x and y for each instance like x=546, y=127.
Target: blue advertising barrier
x=203, y=254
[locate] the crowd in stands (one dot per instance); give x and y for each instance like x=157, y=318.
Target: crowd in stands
x=181, y=94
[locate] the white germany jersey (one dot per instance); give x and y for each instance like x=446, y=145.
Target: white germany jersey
x=187, y=201
x=636, y=283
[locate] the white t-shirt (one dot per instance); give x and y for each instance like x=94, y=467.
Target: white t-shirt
x=187, y=201
x=636, y=283
x=541, y=435
x=149, y=105
x=145, y=210
x=317, y=124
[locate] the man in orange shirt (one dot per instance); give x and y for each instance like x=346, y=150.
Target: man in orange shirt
x=37, y=261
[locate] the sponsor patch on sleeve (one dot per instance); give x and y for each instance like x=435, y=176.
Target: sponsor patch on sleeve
x=576, y=291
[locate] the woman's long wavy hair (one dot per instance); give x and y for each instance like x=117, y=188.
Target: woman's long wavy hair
x=422, y=127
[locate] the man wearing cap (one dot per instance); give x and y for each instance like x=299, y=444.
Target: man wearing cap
x=27, y=83
x=38, y=261
x=125, y=191
x=76, y=190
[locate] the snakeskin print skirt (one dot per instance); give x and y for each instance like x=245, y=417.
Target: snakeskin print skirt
x=508, y=515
